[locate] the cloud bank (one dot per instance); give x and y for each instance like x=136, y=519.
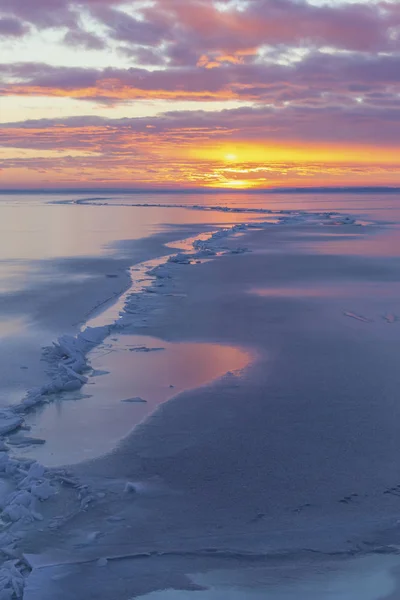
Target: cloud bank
x=315, y=76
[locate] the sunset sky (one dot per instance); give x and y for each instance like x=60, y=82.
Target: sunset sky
x=191, y=93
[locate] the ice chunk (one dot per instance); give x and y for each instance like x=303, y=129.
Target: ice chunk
x=102, y=562
x=8, y=465
x=357, y=317
x=92, y=537
x=11, y=581
x=23, y=498
x=15, y=512
x=160, y=272
x=72, y=374
x=134, y=400
x=239, y=250
x=390, y=318
x=145, y=349
x=36, y=471
x=346, y=220
x=9, y=422
x=71, y=386
x=43, y=491
x=130, y=487
x=180, y=259
x=22, y=441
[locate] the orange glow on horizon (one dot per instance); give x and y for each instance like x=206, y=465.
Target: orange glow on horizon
x=257, y=153
x=102, y=155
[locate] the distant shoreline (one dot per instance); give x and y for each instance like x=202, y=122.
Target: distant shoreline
x=276, y=190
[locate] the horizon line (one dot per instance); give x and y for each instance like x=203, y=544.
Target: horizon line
x=207, y=190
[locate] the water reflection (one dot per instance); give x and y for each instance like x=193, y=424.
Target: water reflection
x=384, y=241
x=125, y=369
x=331, y=289
x=43, y=231
x=10, y=326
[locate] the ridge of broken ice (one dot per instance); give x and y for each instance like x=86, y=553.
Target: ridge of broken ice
x=338, y=219
x=67, y=358
x=67, y=362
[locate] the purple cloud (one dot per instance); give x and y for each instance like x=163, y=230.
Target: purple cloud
x=352, y=124
x=79, y=37
x=43, y=13
x=49, y=13
x=125, y=28
x=318, y=78
x=12, y=27
x=199, y=26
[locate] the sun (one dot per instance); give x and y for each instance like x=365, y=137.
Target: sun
x=230, y=157
x=234, y=183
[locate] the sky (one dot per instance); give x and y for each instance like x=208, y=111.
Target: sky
x=199, y=93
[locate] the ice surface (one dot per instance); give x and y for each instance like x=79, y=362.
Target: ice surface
x=362, y=578
x=68, y=371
